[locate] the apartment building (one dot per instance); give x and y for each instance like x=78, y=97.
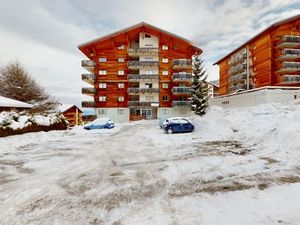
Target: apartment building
x=271, y=58
x=141, y=72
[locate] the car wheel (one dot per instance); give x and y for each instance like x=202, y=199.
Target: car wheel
x=170, y=131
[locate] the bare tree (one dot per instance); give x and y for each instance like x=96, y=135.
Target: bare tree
x=16, y=83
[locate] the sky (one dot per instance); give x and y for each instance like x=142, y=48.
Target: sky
x=43, y=35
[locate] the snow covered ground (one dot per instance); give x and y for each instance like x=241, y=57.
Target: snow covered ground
x=240, y=166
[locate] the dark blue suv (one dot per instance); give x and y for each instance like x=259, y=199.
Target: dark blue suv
x=177, y=125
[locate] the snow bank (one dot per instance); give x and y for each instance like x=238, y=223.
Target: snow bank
x=14, y=121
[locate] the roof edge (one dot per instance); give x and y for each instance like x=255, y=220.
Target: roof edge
x=260, y=33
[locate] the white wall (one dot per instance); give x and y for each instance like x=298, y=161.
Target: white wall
x=112, y=113
x=258, y=97
x=174, y=111
x=148, y=42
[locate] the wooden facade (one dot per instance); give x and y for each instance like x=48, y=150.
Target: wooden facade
x=73, y=114
x=122, y=63
x=271, y=58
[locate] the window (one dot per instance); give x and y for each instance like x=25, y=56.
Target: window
x=182, y=111
x=165, y=85
x=121, y=60
x=254, y=47
x=165, y=60
x=121, y=72
x=120, y=98
x=165, y=98
x=102, y=85
x=149, y=72
x=102, y=59
x=120, y=85
x=120, y=111
x=121, y=47
x=165, y=72
x=102, y=98
x=165, y=111
x=102, y=111
x=148, y=59
x=295, y=96
x=102, y=72
x=165, y=47
x=147, y=35
x=254, y=58
x=149, y=98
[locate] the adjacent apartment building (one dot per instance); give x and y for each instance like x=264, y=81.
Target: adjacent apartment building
x=138, y=72
x=271, y=58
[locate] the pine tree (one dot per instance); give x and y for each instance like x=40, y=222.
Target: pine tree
x=199, y=100
x=16, y=83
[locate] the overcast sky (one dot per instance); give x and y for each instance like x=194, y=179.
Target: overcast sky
x=43, y=35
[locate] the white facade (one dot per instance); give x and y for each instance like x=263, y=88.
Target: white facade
x=174, y=111
x=148, y=41
x=116, y=114
x=257, y=97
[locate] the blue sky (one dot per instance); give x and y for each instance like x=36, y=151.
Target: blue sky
x=44, y=35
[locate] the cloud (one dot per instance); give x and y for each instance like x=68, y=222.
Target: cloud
x=44, y=35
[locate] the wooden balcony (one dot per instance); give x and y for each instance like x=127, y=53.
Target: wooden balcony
x=135, y=65
x=291, y=79
x=237, y=59
x=142, y=104
x=237, y=78
x=88, y=104
x=142, y=90
x=88, y=91
x=240, y=68
x=288, y=41
x=89, y=65
x=289, y=67
x=185, y=103
x=184, y=77
x=289, y=54
x=89, y=78
x=237, y=87
x=182, y=64
x=182, y=91
x=139, y=77
x=142, y=51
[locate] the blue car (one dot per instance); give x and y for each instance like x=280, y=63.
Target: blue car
x=177, y=125
x=100, y=123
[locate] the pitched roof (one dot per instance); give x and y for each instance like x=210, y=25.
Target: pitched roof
x=142, y=24
x=262, y=32
x=11, y=103
x=64, y=107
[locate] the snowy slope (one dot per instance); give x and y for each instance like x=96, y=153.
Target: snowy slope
x=240, y=166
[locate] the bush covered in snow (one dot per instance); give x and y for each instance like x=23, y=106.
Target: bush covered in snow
x=22, y=122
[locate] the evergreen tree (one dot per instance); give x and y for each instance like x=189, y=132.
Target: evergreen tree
x=199, y=100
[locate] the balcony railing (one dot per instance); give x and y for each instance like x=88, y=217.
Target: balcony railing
x=237, y=69
x=88, y=91
x=240, y=57
x=182, y=77
x=288, y=41
x=142, y=51
x=238, y=87
x=238, y=77
x=182, y=63
x=182, y=90
x=181, y=103
x=291, y=78
x=87, y=63
x=142, y=90
x=289, y=67
x=89, y=78
x=141, y=104
x=138, y=77
x=87, y=104
x=290, y=54
x=142, y=64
